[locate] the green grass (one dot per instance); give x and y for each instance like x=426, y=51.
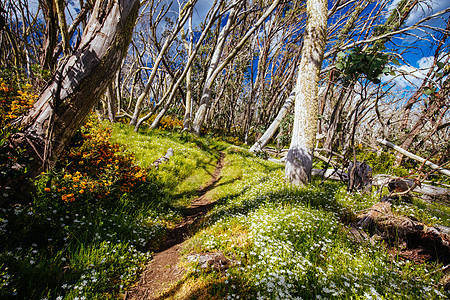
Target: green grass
x=292, y=243
x=191, y=166
x=287, y=242
x=95, y=249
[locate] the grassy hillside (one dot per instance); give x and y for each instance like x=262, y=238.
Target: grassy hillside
x=292, y=243
x=96, y=219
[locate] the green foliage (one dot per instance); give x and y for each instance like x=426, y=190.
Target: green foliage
x=96, y=218
x=371, y=62
x=382, y=163
x=292, y=243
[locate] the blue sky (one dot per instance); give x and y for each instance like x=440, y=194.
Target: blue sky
x=419, y=60
x=416, y=60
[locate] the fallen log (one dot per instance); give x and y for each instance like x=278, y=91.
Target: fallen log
x=400, y=230
x=415, y=157
x=383, y=180
x=425, y=189
x=165, y=158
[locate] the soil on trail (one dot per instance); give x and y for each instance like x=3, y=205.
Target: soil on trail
x=163, y=270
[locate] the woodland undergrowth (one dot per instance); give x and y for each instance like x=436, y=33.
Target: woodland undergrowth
x=95, y=219
x=93, y=222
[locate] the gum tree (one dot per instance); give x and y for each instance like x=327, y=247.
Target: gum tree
x=79, y=81
x=299, y=158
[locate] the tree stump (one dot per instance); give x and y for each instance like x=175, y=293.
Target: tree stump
x=360, y=176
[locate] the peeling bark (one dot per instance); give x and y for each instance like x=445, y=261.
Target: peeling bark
x=77, y=85
x=299, y=158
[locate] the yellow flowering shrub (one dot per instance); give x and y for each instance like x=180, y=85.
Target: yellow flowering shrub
x=15, y=99
x=93, y=168
x=168, y=123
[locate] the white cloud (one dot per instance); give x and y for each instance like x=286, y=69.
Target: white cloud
x=409, y=77
x=423, y=9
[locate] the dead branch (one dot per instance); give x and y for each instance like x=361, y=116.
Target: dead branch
x=165, y=158
x=415, y=157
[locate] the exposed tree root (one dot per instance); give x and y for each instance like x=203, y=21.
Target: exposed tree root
x=409, y=233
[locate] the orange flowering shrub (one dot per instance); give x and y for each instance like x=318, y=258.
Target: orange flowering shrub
x=93, y=168
x=168, y=122
x=15, y=99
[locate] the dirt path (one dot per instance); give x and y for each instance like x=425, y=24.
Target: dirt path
x=163, y=271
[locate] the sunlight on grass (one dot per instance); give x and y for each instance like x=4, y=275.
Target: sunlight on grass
x=290, y=243
x=191, y=166
x=99, y=215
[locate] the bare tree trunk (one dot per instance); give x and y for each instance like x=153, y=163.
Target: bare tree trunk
x=415, y=157
x=188, y=105
x=60, y=6
x=111, y=103
x=205, y=101
x=432, y=109
x=335, y=118
x=419, y=92
x=50, y=34
x=173, y=89
x=217, y=54
x=78, y=83
x=184, y=13
x=299, y=158
x=262, y=142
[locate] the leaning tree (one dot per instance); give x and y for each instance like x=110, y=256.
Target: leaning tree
x=78, y=82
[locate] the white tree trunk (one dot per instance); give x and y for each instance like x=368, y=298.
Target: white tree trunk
x=262, y=142
x=184, y=14
x=217, y=54
x=201, y=113
x=214, y=10
x=299, y=158
x=77, y=84
x=188, y=106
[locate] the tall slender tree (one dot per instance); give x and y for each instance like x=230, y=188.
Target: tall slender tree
x=299, y=158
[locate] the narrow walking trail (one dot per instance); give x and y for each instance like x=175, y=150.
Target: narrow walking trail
x=163, y=270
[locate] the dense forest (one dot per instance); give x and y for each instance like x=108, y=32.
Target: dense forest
x=214, y=149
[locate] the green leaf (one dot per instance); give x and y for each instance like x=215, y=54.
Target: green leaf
x=392, y=73
x=427, y=91
x=439, y=74
x=386, y=70
x=339, y=66
x=340, y=54
x=395, y=62
x=440, y=64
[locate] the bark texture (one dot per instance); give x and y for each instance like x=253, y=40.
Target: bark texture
x=78, y=83
x=411, y=234
x=299, y=158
